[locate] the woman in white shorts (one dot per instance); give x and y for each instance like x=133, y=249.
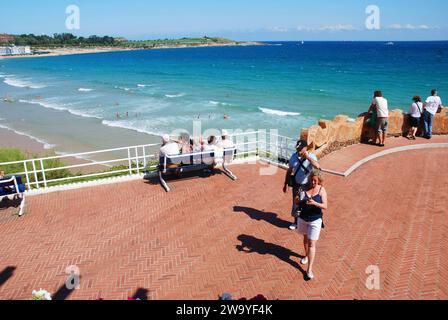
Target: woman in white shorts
x=311, y=202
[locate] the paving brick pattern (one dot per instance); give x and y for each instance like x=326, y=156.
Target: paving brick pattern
x=343, y=159
x=213, y=235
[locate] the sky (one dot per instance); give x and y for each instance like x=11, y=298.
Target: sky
x=277, y=20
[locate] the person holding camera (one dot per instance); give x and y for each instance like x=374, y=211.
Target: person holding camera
x=311, y=204
x=300, y=166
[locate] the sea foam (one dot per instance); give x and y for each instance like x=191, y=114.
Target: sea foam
x=129, y=126
x=279, y=112
x=60, y=108
x=85, y=89
x=22, y=83
x=175, y=95
x=217, y=103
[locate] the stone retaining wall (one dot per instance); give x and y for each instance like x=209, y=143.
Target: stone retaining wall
x=331, y=135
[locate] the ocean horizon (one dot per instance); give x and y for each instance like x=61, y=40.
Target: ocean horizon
x=71, y=102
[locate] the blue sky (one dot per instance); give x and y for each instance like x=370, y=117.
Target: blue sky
x=237, y=19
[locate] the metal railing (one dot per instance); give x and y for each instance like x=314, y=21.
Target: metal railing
x=41, y=173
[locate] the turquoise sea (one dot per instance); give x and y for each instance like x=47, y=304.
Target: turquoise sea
x=72, y=102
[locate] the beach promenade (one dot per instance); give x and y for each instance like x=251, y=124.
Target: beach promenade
x=211, y=235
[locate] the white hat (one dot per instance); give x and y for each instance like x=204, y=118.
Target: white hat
x=166, y=138
x=224, y=133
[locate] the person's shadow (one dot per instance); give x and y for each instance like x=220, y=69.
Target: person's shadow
x=250, y=244
x=269, y=217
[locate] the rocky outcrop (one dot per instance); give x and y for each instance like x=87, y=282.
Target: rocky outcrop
x=330, y=135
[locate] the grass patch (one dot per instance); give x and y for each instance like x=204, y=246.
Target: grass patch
x=11, y=155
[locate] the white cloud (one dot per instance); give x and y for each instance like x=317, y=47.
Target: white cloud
x=398, y=26
x=331, y=28
x=278, y=29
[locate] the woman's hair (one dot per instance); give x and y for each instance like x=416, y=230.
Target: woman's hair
x=377, y=94
x=211, y=139
x=316, y=173
x=417, y=99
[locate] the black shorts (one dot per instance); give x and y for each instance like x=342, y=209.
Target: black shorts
x=414, y=122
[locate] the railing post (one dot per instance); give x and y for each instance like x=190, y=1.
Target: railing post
x=136, y=160
x=27, y=175
x=36, y=178
x=129, y=161
x=43, y=173
x=145, y=163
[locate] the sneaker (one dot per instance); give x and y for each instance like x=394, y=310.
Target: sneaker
x=293, y=227
x=304, y=260
x=309, y=275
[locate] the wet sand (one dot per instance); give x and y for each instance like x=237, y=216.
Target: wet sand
x=10, y=139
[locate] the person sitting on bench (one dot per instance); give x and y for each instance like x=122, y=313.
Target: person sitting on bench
x=226, y=142
x=210, y=147
x=13, y=186
x=184, y=142
x=4, y=189
x=169, y=147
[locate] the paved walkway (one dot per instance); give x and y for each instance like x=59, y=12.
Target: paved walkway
x=343, y=159
x=213, y=235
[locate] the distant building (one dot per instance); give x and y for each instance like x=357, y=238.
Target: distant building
x=6, y=38
x=120, y=39
x=15, y=50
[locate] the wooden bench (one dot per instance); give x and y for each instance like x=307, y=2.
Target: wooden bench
x=194, y=162
x=13, y=186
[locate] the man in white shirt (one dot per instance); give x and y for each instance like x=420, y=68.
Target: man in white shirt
x=169, y=148
x=222, y=145
x=381, y=105
x=210, y=147
x=431, y=106
x=301, y=164
x=226, y=142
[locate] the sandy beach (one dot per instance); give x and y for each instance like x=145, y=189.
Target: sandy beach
x=67, y=51
x=54, y=52
x=10, y=139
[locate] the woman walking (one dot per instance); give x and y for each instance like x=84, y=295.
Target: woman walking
x=310, y=221
x=415, y=114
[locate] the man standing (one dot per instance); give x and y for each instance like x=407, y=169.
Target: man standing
x=380, y=104
x=300, y=166
x=431, y=107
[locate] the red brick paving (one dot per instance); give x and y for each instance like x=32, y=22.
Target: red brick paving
x=391, y=212
x=343, y=159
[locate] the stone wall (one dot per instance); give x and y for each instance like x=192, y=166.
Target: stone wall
x=331, y=135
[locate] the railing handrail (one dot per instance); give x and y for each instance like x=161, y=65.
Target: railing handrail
x=78, y=155
x=37, y=177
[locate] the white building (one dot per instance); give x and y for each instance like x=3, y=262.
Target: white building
x=15, y=50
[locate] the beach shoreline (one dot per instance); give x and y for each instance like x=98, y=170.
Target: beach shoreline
x=66, y=51
x=9, y=139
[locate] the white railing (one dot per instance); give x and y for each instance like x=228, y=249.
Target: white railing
x=134, y=161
